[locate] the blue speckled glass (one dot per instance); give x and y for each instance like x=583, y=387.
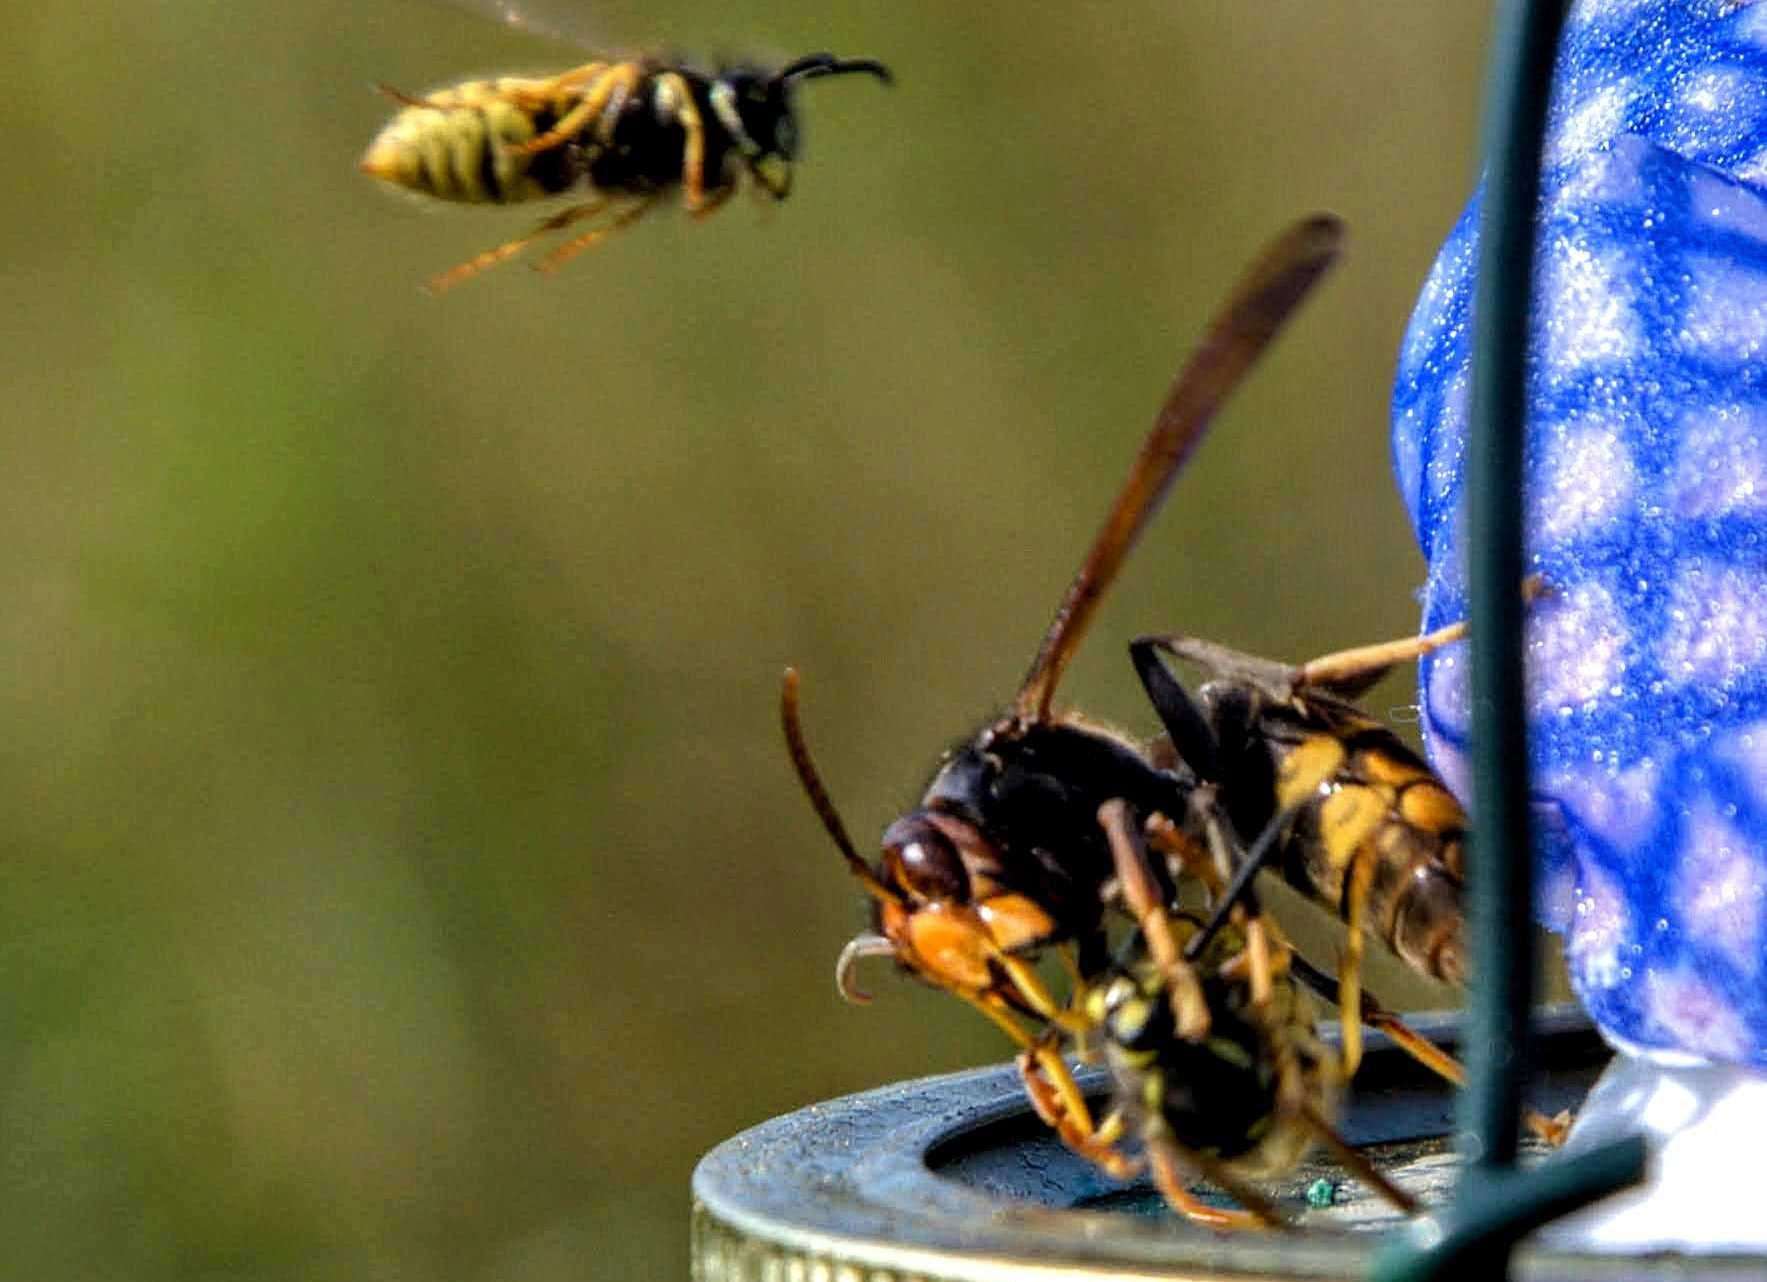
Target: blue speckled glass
x=1647, y=512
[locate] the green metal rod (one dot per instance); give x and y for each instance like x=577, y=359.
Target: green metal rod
x=1492, y=1212
x=1501, y=883
x=1494, y=1206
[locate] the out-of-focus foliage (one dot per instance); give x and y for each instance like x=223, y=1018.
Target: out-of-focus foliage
x=401, y=873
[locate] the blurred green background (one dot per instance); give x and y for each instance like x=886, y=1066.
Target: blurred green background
x=403, y=876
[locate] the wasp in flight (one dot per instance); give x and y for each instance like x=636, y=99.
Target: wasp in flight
x=623, y=135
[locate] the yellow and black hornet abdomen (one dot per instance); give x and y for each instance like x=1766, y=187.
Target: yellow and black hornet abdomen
x=1365, y=796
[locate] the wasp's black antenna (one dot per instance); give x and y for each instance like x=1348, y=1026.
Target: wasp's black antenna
x=812, y=65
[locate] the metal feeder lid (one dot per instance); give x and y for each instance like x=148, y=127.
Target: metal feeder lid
x=954, y=1178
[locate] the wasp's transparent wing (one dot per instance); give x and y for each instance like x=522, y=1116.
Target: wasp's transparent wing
x=572, y=22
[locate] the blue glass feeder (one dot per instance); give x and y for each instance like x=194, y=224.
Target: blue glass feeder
x=1647, y=514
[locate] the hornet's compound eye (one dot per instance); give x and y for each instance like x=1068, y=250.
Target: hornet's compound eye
x=921, y=860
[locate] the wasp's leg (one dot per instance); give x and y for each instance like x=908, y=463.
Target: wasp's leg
x=1063, y=1109
x=1247, y=867
x=605, y=84
x=714, y=202
x=1553, y=1130
x=576, y=76
x=619, y=222
x=1348, y=673
x=1185, y=723
x=400, y=96
x=1147, y=904
x=1185, y=856
x=1036, y=994
x=1254, y=958
x=1375, y=1015
x=1350, y=965
x=1257, y=949
x=994, y=1008
x=1168, y=1162
x=693, y=163
x=510, y=248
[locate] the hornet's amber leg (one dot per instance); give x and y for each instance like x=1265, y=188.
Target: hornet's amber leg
x=1002, y=1019
x=1053, y=1104
x=1553, y=1130
x=714, y=202
x=1142, y=893
x=1167, y=1161
x=1257, y=948
x=619, y=222
x=1375, y=1015
x=510, y=248
x=1350, y=966
x=1191, y=858
x=604, y=82
x=1348, y=672
x=1035, y=992
x=693, y=164
x=996, y=1008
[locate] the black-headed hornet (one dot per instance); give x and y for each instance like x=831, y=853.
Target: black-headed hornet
x=624, y=133
x=1006, y=856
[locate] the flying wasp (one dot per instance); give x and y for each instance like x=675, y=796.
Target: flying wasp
x=622, y=134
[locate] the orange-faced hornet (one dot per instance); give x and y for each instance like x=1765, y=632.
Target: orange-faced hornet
x=1006, y=856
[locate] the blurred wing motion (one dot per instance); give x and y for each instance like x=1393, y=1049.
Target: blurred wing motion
x=1252, y=316
x=566, y=21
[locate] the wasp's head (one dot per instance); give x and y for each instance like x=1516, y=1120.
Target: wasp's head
x=756, y=108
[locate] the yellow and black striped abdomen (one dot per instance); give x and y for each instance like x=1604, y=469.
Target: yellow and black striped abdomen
x=461, y=143
x=1365, y=796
